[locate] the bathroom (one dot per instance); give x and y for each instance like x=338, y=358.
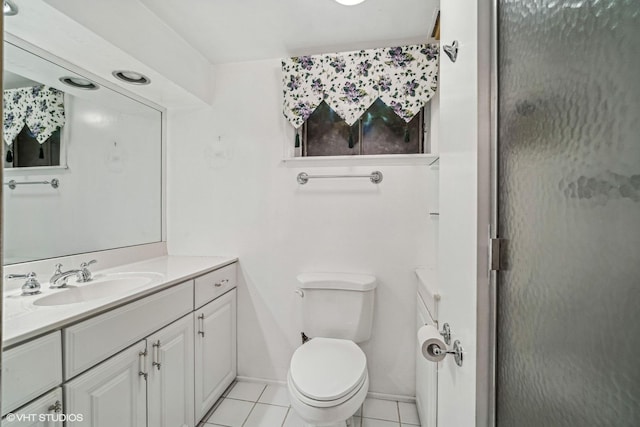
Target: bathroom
x=510, y=199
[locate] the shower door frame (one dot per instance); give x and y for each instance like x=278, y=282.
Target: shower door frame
x=492, y=332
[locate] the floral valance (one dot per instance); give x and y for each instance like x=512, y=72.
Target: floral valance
x=40, y=108
x=405, y=78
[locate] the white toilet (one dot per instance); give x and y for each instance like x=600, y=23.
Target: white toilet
x=328, y=378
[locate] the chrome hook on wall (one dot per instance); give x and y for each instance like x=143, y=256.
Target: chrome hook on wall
x=451, y=50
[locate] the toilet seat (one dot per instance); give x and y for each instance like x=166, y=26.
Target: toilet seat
x=326, y=372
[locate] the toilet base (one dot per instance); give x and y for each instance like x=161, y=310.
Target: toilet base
x=340, y=415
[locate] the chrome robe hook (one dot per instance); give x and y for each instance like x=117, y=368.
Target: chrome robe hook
x=451, y=50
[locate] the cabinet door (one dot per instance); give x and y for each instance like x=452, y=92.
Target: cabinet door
x=170, y=367
x=215, y=336
x=43, y=412
x=113, y=393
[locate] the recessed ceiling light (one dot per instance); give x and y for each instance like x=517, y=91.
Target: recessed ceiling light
x=132, y=77
x=349, y=2
x=9, y=8
x=79, y=83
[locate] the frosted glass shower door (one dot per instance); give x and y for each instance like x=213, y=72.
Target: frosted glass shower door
x=569, y=209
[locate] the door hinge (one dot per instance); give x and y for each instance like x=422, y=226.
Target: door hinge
x=495, y=259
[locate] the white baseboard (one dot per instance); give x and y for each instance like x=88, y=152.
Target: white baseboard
x=374, y=395
x=398, y=397
x=259, y=380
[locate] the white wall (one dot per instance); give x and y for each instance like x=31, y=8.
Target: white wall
x=250, y=205
x=464, y=196
x=108, y=197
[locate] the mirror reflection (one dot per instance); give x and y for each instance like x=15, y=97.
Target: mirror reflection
x=34, y=117
x=82, y=163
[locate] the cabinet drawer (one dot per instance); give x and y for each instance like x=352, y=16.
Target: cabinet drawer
x=30, y=370
x=92, y=341
x=46, y=411
x=214, y=284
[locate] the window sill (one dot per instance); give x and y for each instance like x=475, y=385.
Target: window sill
x=430, y=159
x=35, y=170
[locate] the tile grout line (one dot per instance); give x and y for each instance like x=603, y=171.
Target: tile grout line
x=398, y=409
x=255, y=401
x=254, y=405
x=285, y=416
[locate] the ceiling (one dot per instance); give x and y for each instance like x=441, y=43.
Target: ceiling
x=242, y=30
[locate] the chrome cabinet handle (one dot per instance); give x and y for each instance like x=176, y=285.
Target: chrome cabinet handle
x=56, y=407
x=156, y=355
x=220, y=283
x=141, y=362
x=201, y=328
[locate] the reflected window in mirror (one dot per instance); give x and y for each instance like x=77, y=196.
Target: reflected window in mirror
x=27, y=152
x=34, y=118
x=106, y=158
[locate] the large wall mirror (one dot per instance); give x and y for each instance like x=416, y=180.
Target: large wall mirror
x=82, y=162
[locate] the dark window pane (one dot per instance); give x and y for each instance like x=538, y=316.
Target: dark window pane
x=328, y=135
x=383, y=132
x=28, y=151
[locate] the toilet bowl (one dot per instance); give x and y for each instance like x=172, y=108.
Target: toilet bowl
x=327, y=381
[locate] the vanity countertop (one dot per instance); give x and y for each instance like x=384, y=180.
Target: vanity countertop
x=22, y=319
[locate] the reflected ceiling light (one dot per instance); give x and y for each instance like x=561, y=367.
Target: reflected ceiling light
x=79, y=83
x=131, y=77
x=9, y=8
x=349, y=2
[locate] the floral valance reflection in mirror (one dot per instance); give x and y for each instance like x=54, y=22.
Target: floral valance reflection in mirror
x=33, y=120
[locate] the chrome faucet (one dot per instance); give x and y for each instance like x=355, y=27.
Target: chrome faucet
x=31, y=285
x=60, y=278
x=85, y=273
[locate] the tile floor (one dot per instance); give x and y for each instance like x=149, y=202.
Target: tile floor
x=246, y=404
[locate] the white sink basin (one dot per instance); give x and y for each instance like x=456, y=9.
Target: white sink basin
x=103, y=286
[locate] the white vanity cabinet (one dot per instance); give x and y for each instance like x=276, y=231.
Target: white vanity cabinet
x=151, y=362
x=88, y=343
x=150, y=383
x=170, y=375
x=43, y=412
x=215, y=351
x=111, y=394
x=30, y=370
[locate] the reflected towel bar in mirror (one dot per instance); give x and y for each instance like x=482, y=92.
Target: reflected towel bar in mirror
x=375, y=177
x=55, y=183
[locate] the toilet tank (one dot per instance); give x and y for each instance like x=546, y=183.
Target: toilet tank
x=337, y=305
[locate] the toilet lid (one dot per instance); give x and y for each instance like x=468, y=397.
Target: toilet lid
x=328, y=368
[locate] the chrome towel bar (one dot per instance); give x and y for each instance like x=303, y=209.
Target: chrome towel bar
x=375, y=177
x=55, y=183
